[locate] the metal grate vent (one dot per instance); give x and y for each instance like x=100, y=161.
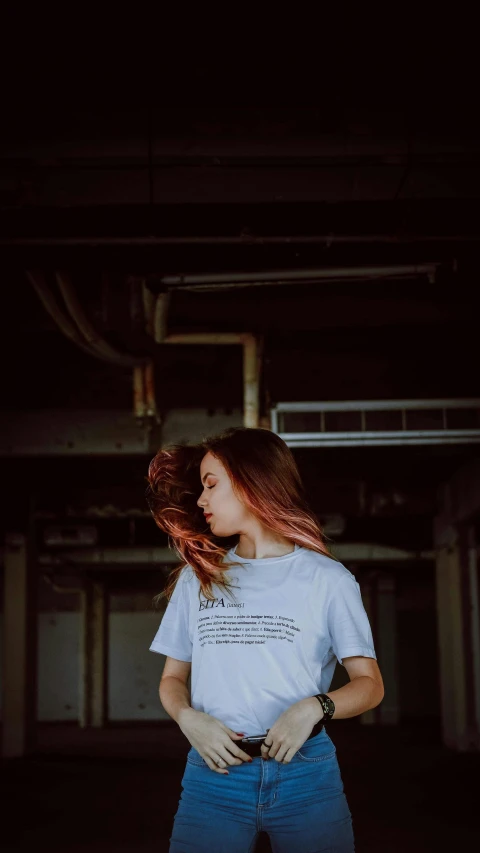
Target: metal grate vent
x=353, y=423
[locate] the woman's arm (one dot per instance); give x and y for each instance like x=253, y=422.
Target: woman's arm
x=175, y=698
x=173, y=691
x=364, y=691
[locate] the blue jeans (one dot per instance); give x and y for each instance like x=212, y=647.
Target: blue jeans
x=301, y=804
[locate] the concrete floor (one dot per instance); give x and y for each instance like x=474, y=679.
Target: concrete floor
x=117, y=790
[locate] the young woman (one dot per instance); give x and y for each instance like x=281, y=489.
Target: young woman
x=261, y=661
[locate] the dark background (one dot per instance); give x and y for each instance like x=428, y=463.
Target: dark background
x=142, y=147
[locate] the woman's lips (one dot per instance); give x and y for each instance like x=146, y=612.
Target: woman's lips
x=209, y=515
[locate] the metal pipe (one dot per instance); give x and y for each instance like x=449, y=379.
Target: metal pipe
x=94, y=340
x=378, y=439
x=149, y=305
x=162, y=303
x=223, y=286
x=205, y=338
x=149, y=390
x=37, y=280
x=239, y=239
x=302, y=274
x=250, y=381
x=71, y=331
x=138, y=392
x=379, y=405
x=251, y=366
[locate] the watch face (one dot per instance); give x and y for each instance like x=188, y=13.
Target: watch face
x=329, y=705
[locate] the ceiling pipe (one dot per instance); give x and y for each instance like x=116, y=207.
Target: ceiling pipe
x=149, y=384
x=80, y=332
x=252, y=356
x=275, y=277
x=37, y=280
x=97, y=344
x=139, y=405
x=251, y=365
x=241, y=239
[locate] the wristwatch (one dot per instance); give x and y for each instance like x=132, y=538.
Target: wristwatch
x=328, y=706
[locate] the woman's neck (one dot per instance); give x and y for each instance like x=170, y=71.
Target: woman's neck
x=262, y=547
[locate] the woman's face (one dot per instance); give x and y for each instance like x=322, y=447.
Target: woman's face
x=225, y=514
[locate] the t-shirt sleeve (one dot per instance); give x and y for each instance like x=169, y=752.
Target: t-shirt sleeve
x=173, y=637
x=348, y=623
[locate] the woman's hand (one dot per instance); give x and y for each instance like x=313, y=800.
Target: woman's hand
x=212, y=739
x=291, y=730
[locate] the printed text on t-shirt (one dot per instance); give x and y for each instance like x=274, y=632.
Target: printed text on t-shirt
x=252, y=629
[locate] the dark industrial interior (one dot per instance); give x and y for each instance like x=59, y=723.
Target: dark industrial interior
x=176, y=267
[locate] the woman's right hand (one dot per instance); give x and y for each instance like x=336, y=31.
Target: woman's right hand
x=211, y=738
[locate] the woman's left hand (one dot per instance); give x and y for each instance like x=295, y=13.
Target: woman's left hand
x=291, y=730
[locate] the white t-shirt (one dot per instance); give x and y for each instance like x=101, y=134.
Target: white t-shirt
x=295, y=616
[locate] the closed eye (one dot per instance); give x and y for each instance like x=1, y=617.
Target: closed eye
x=211, y=487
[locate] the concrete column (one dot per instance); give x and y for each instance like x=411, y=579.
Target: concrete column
x=19, y=648
x=474, y=614
x=458, y=606
x=93, y=652
x=386, y=639
x=450, y=616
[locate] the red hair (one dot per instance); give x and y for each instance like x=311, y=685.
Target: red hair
x=264, y=476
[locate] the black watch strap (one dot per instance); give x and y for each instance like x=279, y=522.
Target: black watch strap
x=328, y=706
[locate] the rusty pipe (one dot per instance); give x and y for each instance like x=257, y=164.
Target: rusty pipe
x=149, y=390
x=138, y=392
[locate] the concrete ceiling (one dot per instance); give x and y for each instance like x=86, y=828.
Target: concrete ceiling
x=159, y=188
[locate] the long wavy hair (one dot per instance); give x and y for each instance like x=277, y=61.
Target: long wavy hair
x=264, y=476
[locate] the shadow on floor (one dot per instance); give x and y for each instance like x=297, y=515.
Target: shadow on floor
x=117, y=789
